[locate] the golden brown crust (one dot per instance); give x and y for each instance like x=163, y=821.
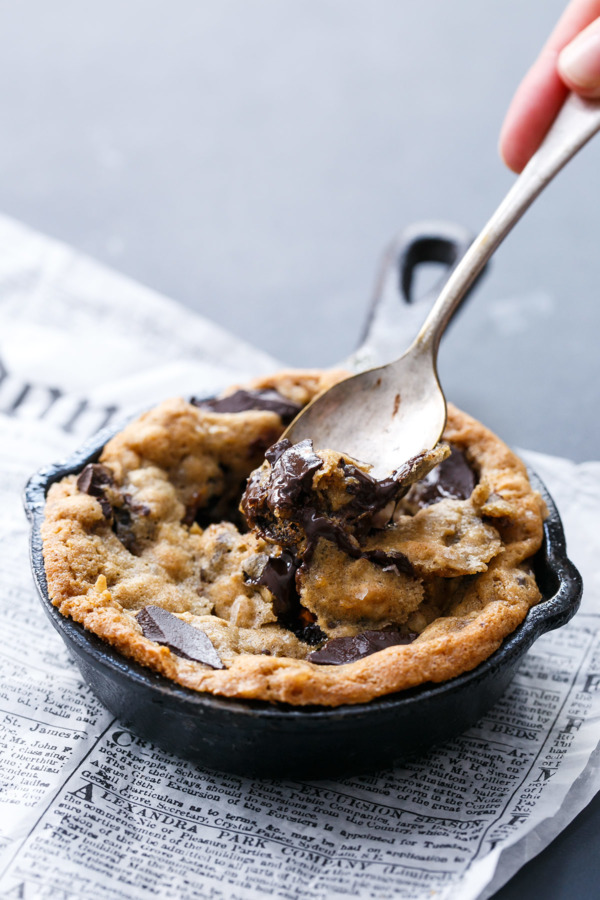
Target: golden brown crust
x=173, y=459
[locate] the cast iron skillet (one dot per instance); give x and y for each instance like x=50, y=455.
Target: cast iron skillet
x=262, y=739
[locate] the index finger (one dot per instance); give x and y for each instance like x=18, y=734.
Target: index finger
x=542, y=92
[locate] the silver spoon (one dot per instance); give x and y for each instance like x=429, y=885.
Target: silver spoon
x=387, y=415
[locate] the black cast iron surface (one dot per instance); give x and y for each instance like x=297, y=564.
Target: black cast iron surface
x=254, y=738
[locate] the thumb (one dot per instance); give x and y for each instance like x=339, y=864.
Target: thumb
x=579, y=62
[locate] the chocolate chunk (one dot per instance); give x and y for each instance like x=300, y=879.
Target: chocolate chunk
x=292, y=469
x=123, y=528
x=307, y=629
x=291, y=473
x=94, y=480
x=273, y=453
x=123, y=521
x=182, y=639
x=369, y=494
x=452, y=479
x=288, y=489
x=279, y=576
x=241, y=401
x=311, y=635
x=394, y=559
x=340, y=651
x=316, y=525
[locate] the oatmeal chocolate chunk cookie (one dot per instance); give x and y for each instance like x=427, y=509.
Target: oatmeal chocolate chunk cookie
x=296, y=577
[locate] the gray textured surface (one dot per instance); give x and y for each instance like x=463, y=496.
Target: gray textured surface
x=252, y=157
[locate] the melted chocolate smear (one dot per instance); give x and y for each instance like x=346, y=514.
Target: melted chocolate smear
x=123, y=528
x=340, y=651
x=289, y=488
x=292, y=469
x=94, y=480
x=318, y=526
x=369, y=494
x=241, y=401
x=452, y=479
x=123, y=519
x=182, y=639
x=291, y=472
x=395, y=559
x=279, y=576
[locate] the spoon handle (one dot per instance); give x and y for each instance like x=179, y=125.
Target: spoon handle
x=576, y=123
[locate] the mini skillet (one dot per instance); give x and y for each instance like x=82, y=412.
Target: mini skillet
x=260, y=739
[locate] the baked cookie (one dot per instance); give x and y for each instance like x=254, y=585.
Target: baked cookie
x=233, y=563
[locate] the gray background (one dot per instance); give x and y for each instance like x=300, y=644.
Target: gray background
x=252, y=158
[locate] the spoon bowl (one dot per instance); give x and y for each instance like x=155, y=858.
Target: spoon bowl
x=383, y=416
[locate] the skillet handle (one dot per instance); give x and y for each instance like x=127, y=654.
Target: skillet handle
x=391, y=325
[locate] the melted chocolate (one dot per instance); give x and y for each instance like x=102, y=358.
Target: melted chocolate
x=395, y=559
x=123, y=520
x=318, y=526
x=242, y=400
x=279, y=576
x=340, y=651
x=292, y=470
x=94, y=480
x=369, y=494
x=288, y=489
x=452, y=479
x=182, y=639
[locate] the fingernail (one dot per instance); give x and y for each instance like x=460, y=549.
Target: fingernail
x=579, y=62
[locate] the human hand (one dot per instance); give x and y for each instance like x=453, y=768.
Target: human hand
x=569, y=61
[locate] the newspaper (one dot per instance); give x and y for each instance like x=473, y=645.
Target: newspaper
x=88, y=809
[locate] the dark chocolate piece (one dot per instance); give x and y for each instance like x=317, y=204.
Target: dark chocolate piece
x=452, y=479
x=339, y=651
x=242, y=400
x=291, y=473
x=123, y=519
x=369, y=494
x=290, y=476
x=123, y=528
x=182, y=639
x=94, y=480
x=288, y=490
x=307, y=630
x=395, y=559
x=279, y=576
x=310, y=634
